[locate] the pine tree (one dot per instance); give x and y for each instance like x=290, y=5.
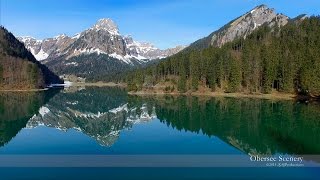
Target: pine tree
x=235, y=75
x=194, y=71
x=182, y=79
x=1, y=72
x=284, y=59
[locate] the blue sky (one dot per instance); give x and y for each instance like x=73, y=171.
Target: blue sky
x=165, y=23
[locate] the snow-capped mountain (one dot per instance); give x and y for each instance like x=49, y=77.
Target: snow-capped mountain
x=34, y=46
x=42, y=49
x=96, y=54
x=102, y=38
x=148, y=50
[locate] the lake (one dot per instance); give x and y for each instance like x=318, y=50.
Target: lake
x=91, y=125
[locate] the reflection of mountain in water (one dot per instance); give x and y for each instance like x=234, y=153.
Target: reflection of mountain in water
x=254, y=126
x=16, y=108
x=100, y=113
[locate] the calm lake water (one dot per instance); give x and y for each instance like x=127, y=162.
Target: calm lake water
x=106, y=121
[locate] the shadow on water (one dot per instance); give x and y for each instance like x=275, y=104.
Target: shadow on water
x=16, y=108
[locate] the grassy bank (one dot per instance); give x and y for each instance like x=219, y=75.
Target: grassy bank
x=23, y=90
x=273, y=95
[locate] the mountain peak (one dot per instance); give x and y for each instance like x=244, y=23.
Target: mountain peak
x=101, y=38
x=261, y=6
x=60, y=36
x=262, y=9
x=28, y=39
x=242, y=26
x=107, y=24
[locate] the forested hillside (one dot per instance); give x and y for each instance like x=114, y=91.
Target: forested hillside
x=94, y=67
x=285, y=59
x=18, y=68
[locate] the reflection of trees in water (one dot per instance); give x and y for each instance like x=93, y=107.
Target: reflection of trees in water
x=252, y=125
x=16, y=108
x=91, y=99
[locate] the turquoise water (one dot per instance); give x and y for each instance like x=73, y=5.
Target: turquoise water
x=106, y=121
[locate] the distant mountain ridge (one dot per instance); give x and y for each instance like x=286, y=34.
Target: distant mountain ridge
x=96, y=54
x=102, y=38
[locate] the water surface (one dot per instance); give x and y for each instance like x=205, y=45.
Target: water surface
x=107, y=121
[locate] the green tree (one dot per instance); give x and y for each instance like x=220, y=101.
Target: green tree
x=1, y=73
x=194, y=70
x=182, y=79
x=235, y=75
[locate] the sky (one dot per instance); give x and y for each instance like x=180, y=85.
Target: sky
x=164, y=23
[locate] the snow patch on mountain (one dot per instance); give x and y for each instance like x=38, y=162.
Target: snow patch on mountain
x=60, y=36
x=43, y=111
x=89, y=115
x=76, y=36
x=119, y=109
x=41, y=55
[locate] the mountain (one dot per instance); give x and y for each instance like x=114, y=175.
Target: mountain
x=41, y=49
x=260, y=52
x=100, y=48
x=18, y=67
x=242, y=27
x=148, y=50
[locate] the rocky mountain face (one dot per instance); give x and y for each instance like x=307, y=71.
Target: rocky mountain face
x=102, y=38
x=41, y=49
x=147, y=50
x=242, y=27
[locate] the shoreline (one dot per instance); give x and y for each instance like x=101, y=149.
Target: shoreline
x=272, y=96
x=23, y=90
x=98, y=84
